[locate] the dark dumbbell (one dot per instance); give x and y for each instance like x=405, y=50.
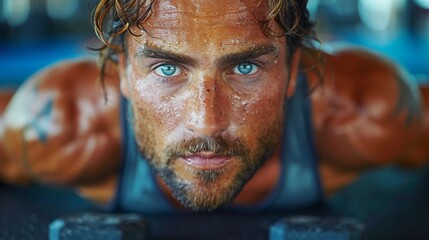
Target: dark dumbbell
x=99, y=226
x=320, y=228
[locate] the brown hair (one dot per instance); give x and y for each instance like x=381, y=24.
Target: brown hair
x=113, y=18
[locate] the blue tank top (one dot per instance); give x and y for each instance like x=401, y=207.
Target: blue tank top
x=298, y=185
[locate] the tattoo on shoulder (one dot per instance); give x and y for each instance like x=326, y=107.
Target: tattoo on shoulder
x=42, y=119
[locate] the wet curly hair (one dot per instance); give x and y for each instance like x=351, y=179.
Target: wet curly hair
x=114, y=18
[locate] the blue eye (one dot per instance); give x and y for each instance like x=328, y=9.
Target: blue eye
x=168, y=70
x=245, y=68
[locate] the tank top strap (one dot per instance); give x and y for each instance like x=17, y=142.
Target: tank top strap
x=299, y=184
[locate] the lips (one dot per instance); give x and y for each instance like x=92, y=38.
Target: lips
x=207, y=161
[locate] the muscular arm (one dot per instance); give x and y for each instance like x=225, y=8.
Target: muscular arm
x=58, y=129
x=368, y=113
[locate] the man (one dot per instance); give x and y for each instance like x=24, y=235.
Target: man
x=209, y=104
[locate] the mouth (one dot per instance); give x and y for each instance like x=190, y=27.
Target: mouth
x=206, y=160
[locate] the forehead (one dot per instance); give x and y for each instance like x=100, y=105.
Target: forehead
x=194, y=23
x=166, y=12
x=174, y=13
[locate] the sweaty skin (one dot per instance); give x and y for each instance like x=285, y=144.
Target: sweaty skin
x=205, y=99
x=208, y=89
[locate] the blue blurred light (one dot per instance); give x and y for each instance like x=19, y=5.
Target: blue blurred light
x=16, y=12
x=62, y=9
x=422, y=3
x=375, y=15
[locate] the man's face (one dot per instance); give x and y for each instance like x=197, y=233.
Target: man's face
x=208, y=90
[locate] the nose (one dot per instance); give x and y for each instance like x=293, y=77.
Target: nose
x=208, y=108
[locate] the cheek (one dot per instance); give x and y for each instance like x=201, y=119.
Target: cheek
x=262, y=109
x=156, y=112
x=264, y=105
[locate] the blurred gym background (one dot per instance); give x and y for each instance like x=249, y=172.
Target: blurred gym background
x=36, y=33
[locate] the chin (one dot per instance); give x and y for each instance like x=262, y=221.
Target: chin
x=207, y=198
x=208, y=190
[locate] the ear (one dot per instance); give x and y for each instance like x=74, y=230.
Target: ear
x=293, y=71
x=122, y=68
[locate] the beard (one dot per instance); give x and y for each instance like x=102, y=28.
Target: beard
x=209, y=190
x=199, y=189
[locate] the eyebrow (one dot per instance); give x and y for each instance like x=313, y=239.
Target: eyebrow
x=227, y=60
x=255, y=52
x=149, y=52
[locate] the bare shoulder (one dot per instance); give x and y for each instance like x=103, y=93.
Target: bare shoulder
x=352, y=81
x=67, y=84
x=60, y=91
x=366, y=80
x=367, y=112
x=364, y=109
x=60, y=128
